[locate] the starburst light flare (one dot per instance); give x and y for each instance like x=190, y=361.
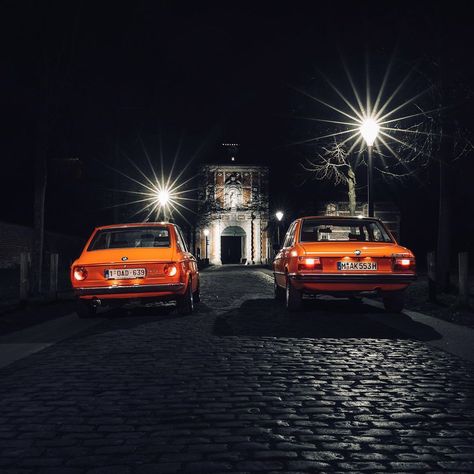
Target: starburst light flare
x=159, y=197
x=369, y=130
x=393, y=126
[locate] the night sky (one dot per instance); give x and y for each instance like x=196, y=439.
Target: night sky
x=124, y=76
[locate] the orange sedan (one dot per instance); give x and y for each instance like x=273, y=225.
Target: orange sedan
x=342, y=256
x=148, y=262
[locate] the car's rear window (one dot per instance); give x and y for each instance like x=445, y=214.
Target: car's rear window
x=131, y=237
x=332, y=230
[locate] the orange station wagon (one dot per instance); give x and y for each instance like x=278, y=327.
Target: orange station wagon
x=342, y=256
x=147, y=261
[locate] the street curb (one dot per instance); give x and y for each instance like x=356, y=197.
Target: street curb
x=8, y=306
x=455, y=339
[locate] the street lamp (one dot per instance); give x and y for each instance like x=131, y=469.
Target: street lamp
x=369, y=130
x=279, y=216
x=206, y=233
x=163, y=198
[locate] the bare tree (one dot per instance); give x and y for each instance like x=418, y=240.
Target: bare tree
x=334, y=164
x=402, y=156
x=53, y=74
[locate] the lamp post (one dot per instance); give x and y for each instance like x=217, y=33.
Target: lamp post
x=206, y=233
x=279, y=216
x=369, y=130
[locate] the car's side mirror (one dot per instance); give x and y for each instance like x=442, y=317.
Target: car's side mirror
x=276, y=247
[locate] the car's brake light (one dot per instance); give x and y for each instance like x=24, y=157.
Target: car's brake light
x=80, y=273
x=309, y=263
x=170, y=270
x=403, y=264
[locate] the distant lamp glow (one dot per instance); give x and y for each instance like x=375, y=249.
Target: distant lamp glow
x=206, y=232
x=360, y=216
x=369, y=130
x=279, y=216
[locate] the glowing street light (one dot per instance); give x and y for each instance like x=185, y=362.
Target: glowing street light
x=369, y=129
x=163, y=197
x=158, y=193
x=384, y=124
x=279, y=215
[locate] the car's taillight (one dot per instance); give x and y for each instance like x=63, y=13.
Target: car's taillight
x=401, y=264
x=309, y=263
x=170, y=269
x=80, y=273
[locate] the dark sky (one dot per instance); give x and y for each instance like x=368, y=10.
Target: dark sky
x=121, y=76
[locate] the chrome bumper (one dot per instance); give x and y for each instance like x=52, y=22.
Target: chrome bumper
x=402, y=278
x=117, y=290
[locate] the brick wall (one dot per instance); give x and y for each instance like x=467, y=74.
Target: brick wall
x=15, y=239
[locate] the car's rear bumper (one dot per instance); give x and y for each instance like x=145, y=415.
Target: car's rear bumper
x=347, y=278
x=107, y=291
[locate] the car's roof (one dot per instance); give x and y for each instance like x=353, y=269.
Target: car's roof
x=342, y=218
x=135, y=224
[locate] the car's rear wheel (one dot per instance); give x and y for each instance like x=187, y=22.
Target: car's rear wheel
x=185, y=303
x=293, y=298
x=197, y=294
x=86, y=310
x=394, y=301
x=277, y=291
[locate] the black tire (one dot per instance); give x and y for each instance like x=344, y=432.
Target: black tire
x=86, y=310
x=277, y=291
x=197, y=294
x=293, y=297
x=394, y=301
x=185, y=303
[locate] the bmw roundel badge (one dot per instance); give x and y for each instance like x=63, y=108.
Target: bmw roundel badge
x=357, y=252
x=124, y=259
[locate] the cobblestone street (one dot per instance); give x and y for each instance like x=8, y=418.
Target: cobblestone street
x=240, y=386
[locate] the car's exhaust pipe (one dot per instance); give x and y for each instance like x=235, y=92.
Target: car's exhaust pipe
x=96, y=302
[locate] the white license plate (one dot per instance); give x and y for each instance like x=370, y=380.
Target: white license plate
x=352, y=266
x=124, y=273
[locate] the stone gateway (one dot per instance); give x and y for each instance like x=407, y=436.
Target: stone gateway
x=233, y=212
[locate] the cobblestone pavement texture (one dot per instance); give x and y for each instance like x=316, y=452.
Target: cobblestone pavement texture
x=240, y=386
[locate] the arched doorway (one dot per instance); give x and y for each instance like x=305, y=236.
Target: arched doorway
x=232, y=244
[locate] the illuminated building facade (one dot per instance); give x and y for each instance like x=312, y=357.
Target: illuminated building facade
x=233, y=211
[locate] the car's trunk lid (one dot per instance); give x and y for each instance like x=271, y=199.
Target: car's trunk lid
x=98, y=263
x=348, y=249
x=333, y=254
